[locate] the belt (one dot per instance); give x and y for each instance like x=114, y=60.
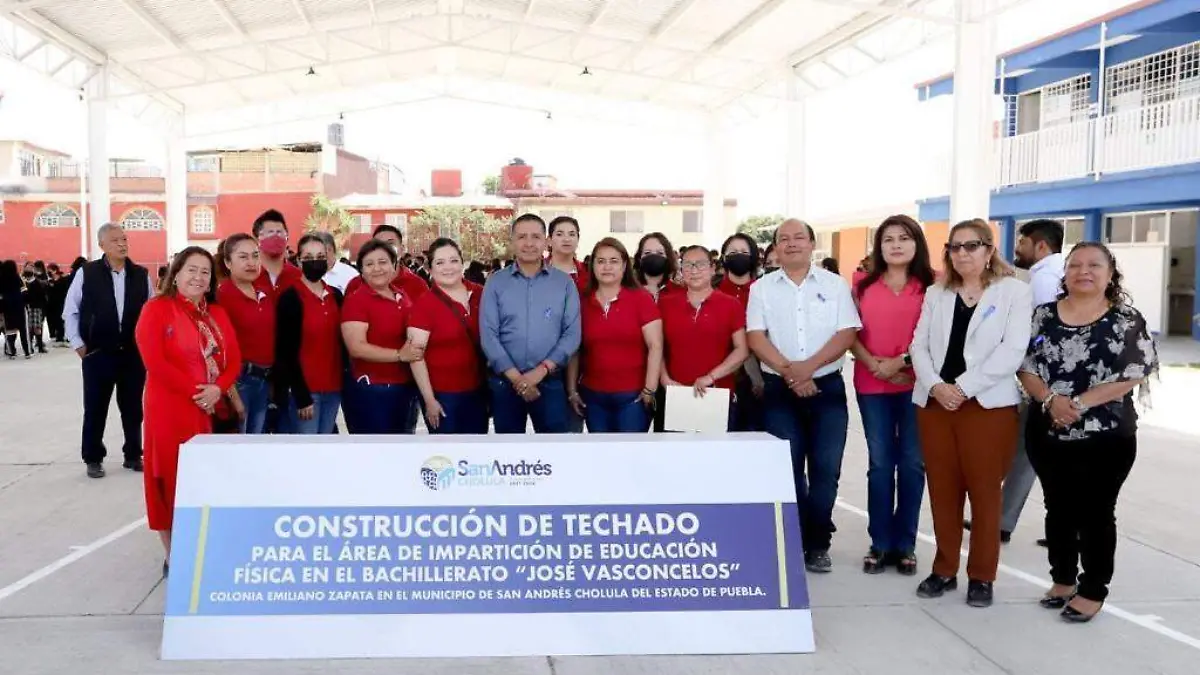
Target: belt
x=255, y=370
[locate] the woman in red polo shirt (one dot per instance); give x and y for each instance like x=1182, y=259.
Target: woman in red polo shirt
x=252, y=313
x=308, y=364
x=655, y=265
x=740, y=258
x=445, y=322
x=563, y=232
x=889, y=299
x=620, y=357
x=374, y=326
x=704, y=331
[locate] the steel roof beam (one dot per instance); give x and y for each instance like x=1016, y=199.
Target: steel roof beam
x=153, y=24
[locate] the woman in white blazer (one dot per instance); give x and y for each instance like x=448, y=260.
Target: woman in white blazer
x=969, y=342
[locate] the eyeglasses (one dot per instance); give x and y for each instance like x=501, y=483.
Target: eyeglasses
x=969, y=246
x=695, y=265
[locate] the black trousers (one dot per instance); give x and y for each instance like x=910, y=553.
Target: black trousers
x=20, y=330
x=104, y=371
x=1080, y=481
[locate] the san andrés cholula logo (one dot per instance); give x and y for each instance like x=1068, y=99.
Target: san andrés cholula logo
x=441, y=473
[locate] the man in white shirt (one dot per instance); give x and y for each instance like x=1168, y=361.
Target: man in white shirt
x=801, y=320
x=1039, y=250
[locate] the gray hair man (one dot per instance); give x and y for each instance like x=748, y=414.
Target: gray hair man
x=101, y=311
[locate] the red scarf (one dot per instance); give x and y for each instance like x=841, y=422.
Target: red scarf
x=212, y=348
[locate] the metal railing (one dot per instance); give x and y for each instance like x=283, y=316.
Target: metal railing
x=1157, y=135
x=115, y=170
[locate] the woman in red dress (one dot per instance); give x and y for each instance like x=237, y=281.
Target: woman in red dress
x=192, y=363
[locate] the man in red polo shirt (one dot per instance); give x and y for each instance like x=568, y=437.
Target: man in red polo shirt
x=277, y=274
x=405, y=282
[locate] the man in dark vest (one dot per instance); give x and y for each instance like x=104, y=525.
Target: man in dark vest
x=102, y=309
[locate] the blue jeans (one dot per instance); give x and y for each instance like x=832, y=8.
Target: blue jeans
x=465, y=413
x=816, y=428
x=384, y=408
x=896, y=477
x=255, y=393
x=510, y=411
x=608, y=413
x=324, y=419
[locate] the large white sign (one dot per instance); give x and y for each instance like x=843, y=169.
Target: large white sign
x=436, y=546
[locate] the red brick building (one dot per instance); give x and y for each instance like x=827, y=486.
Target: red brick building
x=227, y=190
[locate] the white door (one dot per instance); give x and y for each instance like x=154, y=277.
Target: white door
x=1145, y=268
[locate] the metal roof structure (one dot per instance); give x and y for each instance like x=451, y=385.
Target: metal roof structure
x=168, y=56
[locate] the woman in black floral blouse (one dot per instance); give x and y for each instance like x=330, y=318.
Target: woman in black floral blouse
x=1089, y=351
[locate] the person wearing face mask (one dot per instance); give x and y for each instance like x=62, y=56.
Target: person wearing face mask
x=655, y=265
x=251, y=312
x=445, y=322
x=37, y=299
x=740, y=257
x=277, y=273
x=308, y=346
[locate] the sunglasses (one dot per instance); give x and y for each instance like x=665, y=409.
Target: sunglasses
x=969, y=246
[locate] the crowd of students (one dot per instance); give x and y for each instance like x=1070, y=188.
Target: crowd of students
x=31, y=302
x=960, y=378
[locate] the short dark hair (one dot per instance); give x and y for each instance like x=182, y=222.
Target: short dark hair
x=373, y=245
x=1046, y=230
x=308, y=239
x=749, y=242
x=562, y=220
x=526, y=218
x=388, y=228
x=180, y=260
x=268, y=216
x=441, y=242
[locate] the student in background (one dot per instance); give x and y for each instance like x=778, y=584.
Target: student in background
x=741, y=256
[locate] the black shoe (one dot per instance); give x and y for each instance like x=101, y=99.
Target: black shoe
x=1005, y=537
x=967, y=525
x=1055, y=601
x=1043, y=543
x=1072, y=615
x=818, y=562
x=166, y=568
x=133, y=464
x=95, y=470
x=934, y=586
x=979, y=593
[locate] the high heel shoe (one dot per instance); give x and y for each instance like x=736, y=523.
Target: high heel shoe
x=1055, y=601
x=1072, y=615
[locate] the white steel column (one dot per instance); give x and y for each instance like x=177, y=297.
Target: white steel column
x=716, y=186
x=176, y=179
x=795, y=164
x=99, y=202
x=974, y=94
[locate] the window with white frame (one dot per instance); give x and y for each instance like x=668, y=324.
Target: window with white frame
x=1137, y=228
x=1067, y=101
x=397, y=220
x=57, y=215
x=1165, y=76
x=204, y=220
x=364, y=223
x=143, y=219
x=549, y=215
x=693, y=221
x=626, y=221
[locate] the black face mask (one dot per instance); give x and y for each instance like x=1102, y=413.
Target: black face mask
x=654, y=265
x=739, y=263
x=314, y=270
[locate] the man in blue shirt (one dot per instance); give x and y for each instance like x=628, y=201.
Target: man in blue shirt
x=529, y=325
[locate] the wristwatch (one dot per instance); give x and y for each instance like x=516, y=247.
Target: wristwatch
x=907, y=359
x=1078, y=404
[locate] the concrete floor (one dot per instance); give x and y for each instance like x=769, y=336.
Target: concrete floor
x=80, y=589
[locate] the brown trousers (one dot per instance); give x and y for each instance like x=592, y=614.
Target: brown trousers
x=967, y=455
